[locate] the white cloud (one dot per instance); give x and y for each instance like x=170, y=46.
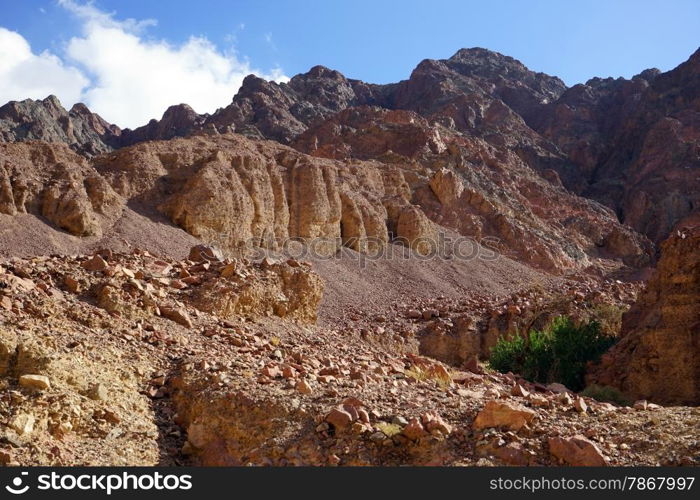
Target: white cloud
x=119, y=73
x=25, y=75
x=136, y=79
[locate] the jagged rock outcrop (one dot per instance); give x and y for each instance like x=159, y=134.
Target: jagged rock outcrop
x=241, y=193
x=283, y=111
x=658, y=356
x=177, y=121
x=284, y=289
x=46, y=120
x=479, y=190
x=52, y=181
x=634, y=144
x=370, y=132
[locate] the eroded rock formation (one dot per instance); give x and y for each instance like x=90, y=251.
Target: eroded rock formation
x=51, y=181
x=658, y=357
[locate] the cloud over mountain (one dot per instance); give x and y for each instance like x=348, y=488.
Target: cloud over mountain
x=119, y=72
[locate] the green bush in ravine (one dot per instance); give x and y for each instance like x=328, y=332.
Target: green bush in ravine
x=558, y=353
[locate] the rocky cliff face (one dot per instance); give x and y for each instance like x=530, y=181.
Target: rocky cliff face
x=629, y=144
x=479, y=190
x=283, y=111
x=84, y=131
x=634, y=143
x=658, y=357
x=241, y=194
x=52, y=181
x=237, y=192
x=225, y=359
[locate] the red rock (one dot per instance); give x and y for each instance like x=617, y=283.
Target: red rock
x=413, y=314
x=430, y=313
x=577, y=451
x=512, y=453
x=96, y=263
x=272, y=371
x=434, y=422
x=178, y=284
x=288, y=371
x=364, y=416
x=340, y=419
x=519, y=390
x=304, y=387
x=472, y=364
x=177, y=314
x=414, y=430
x=71, y=283
x=499, y=414
x=353, y=401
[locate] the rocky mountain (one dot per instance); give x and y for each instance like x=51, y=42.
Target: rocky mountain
x=240, y=194
x=480, y=190
x=634, y=143
x=316, y=273
x=85, y=132
x=601, y=138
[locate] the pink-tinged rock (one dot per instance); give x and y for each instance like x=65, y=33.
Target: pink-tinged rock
x=96, y=263
x=432, y=421
x=414, y=430
x=339, y=419
x=272, y=371
x=577, y=451
x=520, y=391
x=498, y=414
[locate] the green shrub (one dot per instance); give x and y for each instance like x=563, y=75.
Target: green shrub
x=557, y=354
x=610, y=317
x=606, y=394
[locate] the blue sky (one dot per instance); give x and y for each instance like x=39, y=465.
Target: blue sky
x=376, y=41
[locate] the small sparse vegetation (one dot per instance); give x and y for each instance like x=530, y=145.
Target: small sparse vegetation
x=610, y=317
x=441, y=377
x=606, y=394
x=559, y=353
x=388, y=429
